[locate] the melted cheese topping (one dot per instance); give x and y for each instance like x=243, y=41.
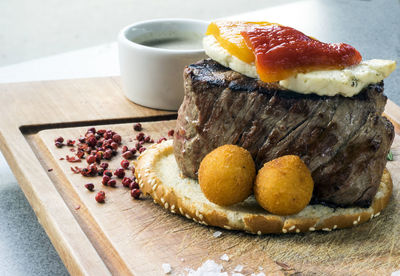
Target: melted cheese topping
x=346, y=82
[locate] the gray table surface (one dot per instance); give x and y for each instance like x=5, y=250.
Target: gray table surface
x=373, y=27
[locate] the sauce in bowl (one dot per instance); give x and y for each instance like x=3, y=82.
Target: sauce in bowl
x=172, y=41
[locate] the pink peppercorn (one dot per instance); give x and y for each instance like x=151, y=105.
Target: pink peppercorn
x=100, y=197
x=135, y=193
x=126, y=181
x=89, y=186
x=117, y=138
x=105, y=179
x=125, y=164
x=59, y=139
x=120, y=173
x=137, y=126
x=90, y=159
x=128, y=155
x=112, y=183
x=133, y=185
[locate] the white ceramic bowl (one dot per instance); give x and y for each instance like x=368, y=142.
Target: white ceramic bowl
x=153, y=76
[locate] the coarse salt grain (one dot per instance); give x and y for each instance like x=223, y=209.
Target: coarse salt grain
x=396, y=273
x=217, y=234
x=260, y=268
x=167, y=268
x=238, y=268
x=225, y=257
x=208, y=268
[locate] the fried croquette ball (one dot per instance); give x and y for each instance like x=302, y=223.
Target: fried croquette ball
x=284, y=186
x=226, y=175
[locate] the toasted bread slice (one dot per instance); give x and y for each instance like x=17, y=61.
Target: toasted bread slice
x=159, y=176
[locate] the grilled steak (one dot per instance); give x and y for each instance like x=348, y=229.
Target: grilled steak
x=344, y=141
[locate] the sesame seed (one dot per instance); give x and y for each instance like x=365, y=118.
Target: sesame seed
x=139, y=176
x=166, y=205
x=359, y=218
x=152, y=182
x=334, y=227
x=227, y=227
x=284, y=230
x=172, y=206
x=162, y=200
x=311, y=229
x=292, y=227
x=326, y=229
x=355, y=222
x=372, y=215
x=297, y=230
x=173, y=211
x=201, y=216
x=377, y=214
x=180, y=210
x=187, y=215
x=259, y=233
x=194, y=219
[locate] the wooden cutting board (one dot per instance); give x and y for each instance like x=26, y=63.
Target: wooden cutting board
x=135, y=237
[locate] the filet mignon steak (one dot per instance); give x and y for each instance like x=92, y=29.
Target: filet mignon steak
x=343, y=141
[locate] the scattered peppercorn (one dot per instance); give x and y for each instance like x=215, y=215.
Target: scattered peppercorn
x=138, y=146
x=92, y=130
x=108, y=173
x=90, y=159
x=104, y=165
x=89, y=186
x=137, y=126
x=126, y=181
x=100, y=197
x=124, y=149
x=135, y=193
x=171, y=132
x=142, y=149
x=70, y=142
x=117, y=138
x=161, y=139
x=105, y=179
x=58, y=144
x=59, y=139
x=125, y=164
x=133, y=185
x=120, y=173
x=114, y=145
x=140, y=136
x=112, y=183
x=100, y=171
x=128, y=155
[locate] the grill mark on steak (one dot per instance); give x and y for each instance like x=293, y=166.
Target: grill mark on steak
x=344, y=141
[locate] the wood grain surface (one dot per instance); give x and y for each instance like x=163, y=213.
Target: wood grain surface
x=125, y=236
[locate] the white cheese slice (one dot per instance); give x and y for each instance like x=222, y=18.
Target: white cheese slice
x=346, y=82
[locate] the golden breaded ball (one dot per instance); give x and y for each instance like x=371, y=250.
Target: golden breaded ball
x=284, y=186
x=226, y=175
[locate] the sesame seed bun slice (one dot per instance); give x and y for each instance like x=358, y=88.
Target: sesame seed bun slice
x=159, y=176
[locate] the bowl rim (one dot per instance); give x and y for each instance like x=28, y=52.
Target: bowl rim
x=124, y=40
